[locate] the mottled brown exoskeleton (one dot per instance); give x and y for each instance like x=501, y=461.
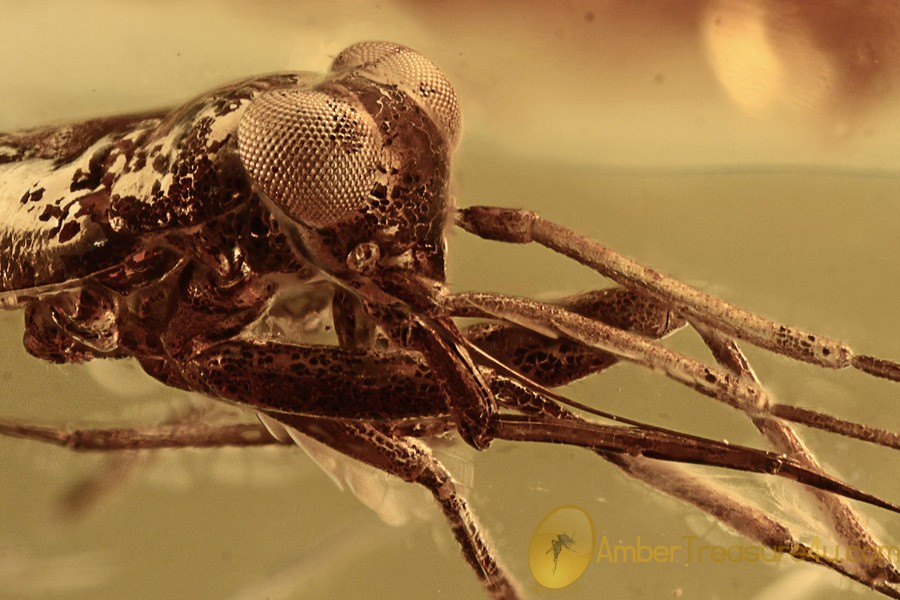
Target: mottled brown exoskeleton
x=169, y=236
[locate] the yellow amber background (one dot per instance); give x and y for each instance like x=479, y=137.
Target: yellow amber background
x=748, y=148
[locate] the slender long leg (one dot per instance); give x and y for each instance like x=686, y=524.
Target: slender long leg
x=674, y=480
x=118, y=468
x=650, y=442
x=556, y=321
x=406, y=458
x=265, y=377
x=440, y=342
x=662, y=444
x=843, y=520
x=412, y=461
x=553, y=362
x=665, y=477
x=520, y=227
x=191, y=435
x=751, y=522
x=716, y=383
x=164, y=436
x=282, y=379
x=625, y=447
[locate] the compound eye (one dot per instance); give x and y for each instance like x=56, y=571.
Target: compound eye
x=314, y=155
x=363, y=53
x=393, y=64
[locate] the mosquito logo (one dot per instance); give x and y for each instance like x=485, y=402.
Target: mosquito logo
x=562, y=542
x=559, y=559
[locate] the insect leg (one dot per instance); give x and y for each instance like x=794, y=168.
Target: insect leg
x=466, y=394
x=556, y=361
x=412, y=461
x=676, y=481
x=844, y=522
x=519, y=226
x=181, y=435
x=749, y=521
x=716, y=383
x=324, y=381
x=626, y=309
x=663, y=444
x=516, y=346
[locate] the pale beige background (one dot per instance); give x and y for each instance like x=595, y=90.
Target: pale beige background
x=750, y=153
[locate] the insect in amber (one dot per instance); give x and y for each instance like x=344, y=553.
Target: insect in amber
x=175, y=237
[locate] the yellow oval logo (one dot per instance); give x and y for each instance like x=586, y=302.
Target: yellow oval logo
x=561, y=547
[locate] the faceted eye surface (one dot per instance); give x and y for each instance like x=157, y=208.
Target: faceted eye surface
x=314, y=155
x=393, y=64
x=358, y=55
